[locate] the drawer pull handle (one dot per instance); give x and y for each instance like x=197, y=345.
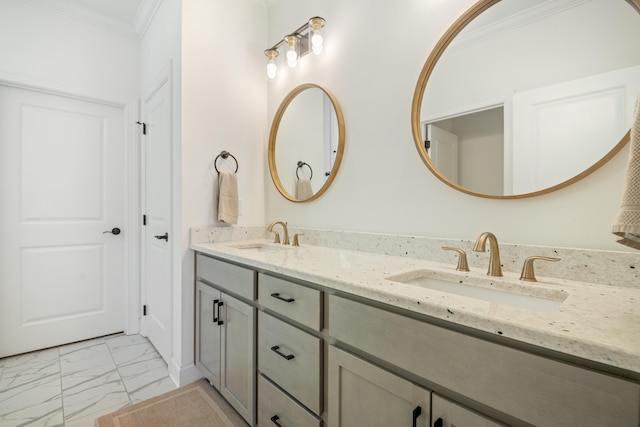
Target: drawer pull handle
x=220, y=321
x=275, y=419
x=438, y=423
x=276, y=349
x=277, y=296
x=416, y=413
x=215, y=306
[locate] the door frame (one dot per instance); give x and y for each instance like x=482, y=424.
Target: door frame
x=131, y=226
x=164, y=77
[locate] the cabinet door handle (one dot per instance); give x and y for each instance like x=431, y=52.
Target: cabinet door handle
x=215, y=307
x=275, y=419
x=276, y=349
x=438, y=423
x=277, y=296
x=416, y=413
x=220, y=321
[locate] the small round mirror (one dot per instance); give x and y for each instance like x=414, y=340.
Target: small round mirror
x=306, y=143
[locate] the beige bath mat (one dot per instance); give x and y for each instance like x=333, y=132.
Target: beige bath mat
x=194, y=405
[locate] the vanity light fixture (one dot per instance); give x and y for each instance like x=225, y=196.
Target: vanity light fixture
x=306, y=38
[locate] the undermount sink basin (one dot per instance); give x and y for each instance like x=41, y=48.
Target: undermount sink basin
x=496, y=290
x=260, y=246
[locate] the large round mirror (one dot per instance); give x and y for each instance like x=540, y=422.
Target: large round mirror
x=306, y=143
x=523, y=97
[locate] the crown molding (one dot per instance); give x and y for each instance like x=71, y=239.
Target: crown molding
x=64, y=7
x=144, y=17
x=525, y=17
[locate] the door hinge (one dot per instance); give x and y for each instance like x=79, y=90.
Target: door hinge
x=144, y=310
x=144, y=127
x=144, y=220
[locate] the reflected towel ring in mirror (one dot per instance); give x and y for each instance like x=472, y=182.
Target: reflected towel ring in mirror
x=301, y=164
x=522, y=98
x=224, y=155
x=307, y=125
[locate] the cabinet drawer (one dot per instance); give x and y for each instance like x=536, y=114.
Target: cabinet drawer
x=274, y=403
x=236, y=280
x=531, y=388
x=291, y=358
x=297, y=302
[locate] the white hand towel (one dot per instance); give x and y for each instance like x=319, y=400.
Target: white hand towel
x=228, y=197
x=627, y=223
x=303, y=189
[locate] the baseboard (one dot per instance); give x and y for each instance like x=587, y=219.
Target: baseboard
x=182, y=375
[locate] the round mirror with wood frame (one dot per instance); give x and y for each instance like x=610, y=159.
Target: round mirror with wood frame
x=306, y=143
x=444, y=94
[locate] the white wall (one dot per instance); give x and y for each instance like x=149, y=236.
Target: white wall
x=45, y=48
x=223, y=103
x=383, y=185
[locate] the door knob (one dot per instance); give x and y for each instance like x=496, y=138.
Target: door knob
x=115, y=231
x=165, y=236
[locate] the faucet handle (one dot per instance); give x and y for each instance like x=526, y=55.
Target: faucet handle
x=462, y=258
x=276, y=238
x=528, y=275
x=296, y=240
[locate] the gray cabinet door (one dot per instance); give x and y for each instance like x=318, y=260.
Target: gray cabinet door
x=208, y=333
x=361, y=394
x=238, y=356
x=449, y=414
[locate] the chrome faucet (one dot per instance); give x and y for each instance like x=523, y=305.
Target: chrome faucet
x=277, y=238
x=495, y=269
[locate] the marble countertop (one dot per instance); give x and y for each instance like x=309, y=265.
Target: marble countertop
x=595, y=322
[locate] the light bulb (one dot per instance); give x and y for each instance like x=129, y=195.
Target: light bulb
x=316, y=43
x=292, y=50
x=317, y=40
x=292, y=58
x=272, y=67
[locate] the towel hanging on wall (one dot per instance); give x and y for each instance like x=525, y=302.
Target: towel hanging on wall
x=627, y=223
x=303, y=185
x=228, y=197
x=303, y=189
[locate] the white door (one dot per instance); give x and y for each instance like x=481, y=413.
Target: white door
x=61, y=186
x=156, y=292
x=444, y=151
x=563, y=129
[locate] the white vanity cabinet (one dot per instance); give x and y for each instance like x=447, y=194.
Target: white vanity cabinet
x=290, y=351
x=225, y=332
x=361, y=394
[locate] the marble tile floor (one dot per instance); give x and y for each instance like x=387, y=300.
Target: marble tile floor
x=72, y=385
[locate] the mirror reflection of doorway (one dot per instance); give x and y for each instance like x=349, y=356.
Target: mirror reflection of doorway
x=469, y=149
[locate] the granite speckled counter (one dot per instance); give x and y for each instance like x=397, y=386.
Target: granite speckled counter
x=599, y=323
